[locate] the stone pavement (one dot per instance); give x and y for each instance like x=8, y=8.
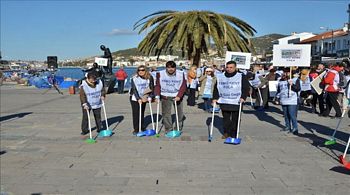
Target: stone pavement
x=43, y=153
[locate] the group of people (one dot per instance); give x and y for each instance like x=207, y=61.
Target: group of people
x=228, y=88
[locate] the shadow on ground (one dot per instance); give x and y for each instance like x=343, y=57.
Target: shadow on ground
x=13, y=116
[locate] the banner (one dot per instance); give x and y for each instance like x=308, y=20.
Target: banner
x=292, y=55
x=101, y=61
x=315, y=84
x=242, y=59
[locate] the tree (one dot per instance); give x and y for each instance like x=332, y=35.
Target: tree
x=193, y=32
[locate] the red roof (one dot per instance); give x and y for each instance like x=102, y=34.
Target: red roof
x=326, y=35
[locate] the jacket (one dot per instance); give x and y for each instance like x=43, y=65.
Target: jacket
x=203, y=81
x=121, y=74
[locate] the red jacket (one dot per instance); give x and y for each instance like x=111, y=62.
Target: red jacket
x=331, y=80
x=121, y=74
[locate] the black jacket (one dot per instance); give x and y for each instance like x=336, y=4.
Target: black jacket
x=133, y=90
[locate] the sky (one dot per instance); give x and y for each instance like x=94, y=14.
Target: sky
x=33, y=30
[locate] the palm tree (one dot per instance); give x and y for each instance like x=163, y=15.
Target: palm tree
x=193, y=32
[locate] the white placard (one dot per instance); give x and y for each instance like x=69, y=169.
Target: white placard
x=273, y=88
x=101, y=61
x=242, y=59
x=315, y=84
x=292, y=55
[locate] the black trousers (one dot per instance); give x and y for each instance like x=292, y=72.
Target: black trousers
x=85, y=121
x=191, y=99
x=135, y=107
x=230, y=122
x=332, y=101
x=121, y=86
x=316, y=97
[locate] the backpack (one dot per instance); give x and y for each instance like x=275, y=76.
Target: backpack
x=342, y=80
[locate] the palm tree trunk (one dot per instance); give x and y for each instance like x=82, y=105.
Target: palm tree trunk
x=197, y=57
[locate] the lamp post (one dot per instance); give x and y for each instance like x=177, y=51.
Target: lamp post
x=327, y=29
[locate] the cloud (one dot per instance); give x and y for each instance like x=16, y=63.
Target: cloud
x=118, y=32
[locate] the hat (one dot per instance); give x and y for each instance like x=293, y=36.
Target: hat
x=208, y=69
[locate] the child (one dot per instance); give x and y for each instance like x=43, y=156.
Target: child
x=91, y=94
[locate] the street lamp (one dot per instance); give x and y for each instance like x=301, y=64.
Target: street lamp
x=327, y=29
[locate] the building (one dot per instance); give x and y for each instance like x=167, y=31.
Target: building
x=333, y=44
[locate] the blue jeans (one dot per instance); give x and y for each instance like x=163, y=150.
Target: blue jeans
x=207, y=104
x=290, y=116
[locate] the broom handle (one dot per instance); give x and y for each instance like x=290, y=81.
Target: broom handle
x=212, y=120
x=347, y=147
x=239, y=119
x=177, y=117
x=261, y=100
x=251, y=100
x=336, y=129
x=290, y=86
x=88, y=115
x=140, y=106
x=104, y=111
x=150, y=109
x=157, y=125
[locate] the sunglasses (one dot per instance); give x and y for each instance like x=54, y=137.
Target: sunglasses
x=208, y=71
x=141, y=70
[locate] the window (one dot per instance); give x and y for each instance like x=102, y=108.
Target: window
x=338, y=44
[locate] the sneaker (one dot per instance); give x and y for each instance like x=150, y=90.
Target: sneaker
x=295, y=132
x=285, y=129
x=84, y=133
x=135, y=132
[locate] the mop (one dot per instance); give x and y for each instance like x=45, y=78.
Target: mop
x=90, y=140
x=175, y=133
x=332, y=140
x=342, y=157
x=237, y=140
x=106, y=132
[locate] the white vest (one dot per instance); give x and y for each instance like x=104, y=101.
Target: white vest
x=194, y=83
x=140, y=84
x=93, y=95
x=305, y=85
x=230, y=89
x=256, y=82
x=286, y=97
x=208, y=85
x=170, y=84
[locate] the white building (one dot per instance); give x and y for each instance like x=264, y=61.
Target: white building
x=294, y=38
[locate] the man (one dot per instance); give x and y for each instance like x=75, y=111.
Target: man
x=170, y=87
x=230, y=89
x=331, y=82
x=121, y=75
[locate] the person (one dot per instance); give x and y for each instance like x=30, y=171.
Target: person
x=305, y=87
x=192, y=83
x=91, y=93
x=141, y=91
x=331, y=81
x=207, y=82
x=230, y=89
x=121, y=75
x=170, y=87
x=289, y=100
x=96, y=70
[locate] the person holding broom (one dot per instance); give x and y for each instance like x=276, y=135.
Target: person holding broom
x=230, y=90
x=142, y=86
x=91, y=93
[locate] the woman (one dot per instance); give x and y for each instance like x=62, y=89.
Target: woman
x=192, y=83
x=141, y=91
x=207, y=82
x=91, y=93
x=305, y=87
x=289, y=101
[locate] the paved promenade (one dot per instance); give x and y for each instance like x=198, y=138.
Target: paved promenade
x=42, y=152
